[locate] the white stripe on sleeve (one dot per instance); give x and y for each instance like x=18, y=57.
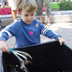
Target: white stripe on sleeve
x=44, y=31
x=6, y=32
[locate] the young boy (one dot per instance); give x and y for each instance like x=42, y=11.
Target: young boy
x=26, y=31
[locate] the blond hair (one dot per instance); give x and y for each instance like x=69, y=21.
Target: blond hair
x=23, y=4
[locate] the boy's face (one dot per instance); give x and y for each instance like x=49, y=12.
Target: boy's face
x=27, y=17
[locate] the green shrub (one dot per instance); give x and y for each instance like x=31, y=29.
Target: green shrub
x=65, y=5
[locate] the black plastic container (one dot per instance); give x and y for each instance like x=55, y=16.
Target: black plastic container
x=47, y=57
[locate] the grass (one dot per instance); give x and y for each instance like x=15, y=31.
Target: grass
x=55, y=5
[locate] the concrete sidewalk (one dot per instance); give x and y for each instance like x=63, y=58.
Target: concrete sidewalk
x=64, y=29
x=55, y=17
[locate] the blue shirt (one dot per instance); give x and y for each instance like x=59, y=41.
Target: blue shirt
x=26, y=34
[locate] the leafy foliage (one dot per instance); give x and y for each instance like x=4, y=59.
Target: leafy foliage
x=65, y=5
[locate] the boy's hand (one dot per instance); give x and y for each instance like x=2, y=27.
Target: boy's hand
x=4, y=46
x=61, y=40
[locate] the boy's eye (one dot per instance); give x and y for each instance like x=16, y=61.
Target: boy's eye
x=32, y=14
x=26, y=15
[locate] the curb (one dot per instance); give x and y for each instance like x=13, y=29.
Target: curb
x=55, y=17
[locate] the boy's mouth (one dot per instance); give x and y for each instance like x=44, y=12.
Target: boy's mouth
x=29, y=21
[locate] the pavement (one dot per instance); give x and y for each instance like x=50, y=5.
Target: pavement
x=63, y=29
x=55, y=17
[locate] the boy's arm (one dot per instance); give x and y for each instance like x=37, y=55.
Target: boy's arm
x=8, y=32
x=50, y=34
x=5, y=34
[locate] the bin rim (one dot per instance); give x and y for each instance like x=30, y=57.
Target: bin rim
x=2, y=69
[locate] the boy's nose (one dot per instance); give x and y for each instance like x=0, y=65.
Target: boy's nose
x=29, y=17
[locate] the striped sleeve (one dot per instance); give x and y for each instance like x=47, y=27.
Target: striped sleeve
x=44, y=30
x=48, y=33
x=7, y=32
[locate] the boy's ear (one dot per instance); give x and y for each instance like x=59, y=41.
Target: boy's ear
x=18, y=13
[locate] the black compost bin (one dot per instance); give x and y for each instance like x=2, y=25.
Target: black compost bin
x=47, y=57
